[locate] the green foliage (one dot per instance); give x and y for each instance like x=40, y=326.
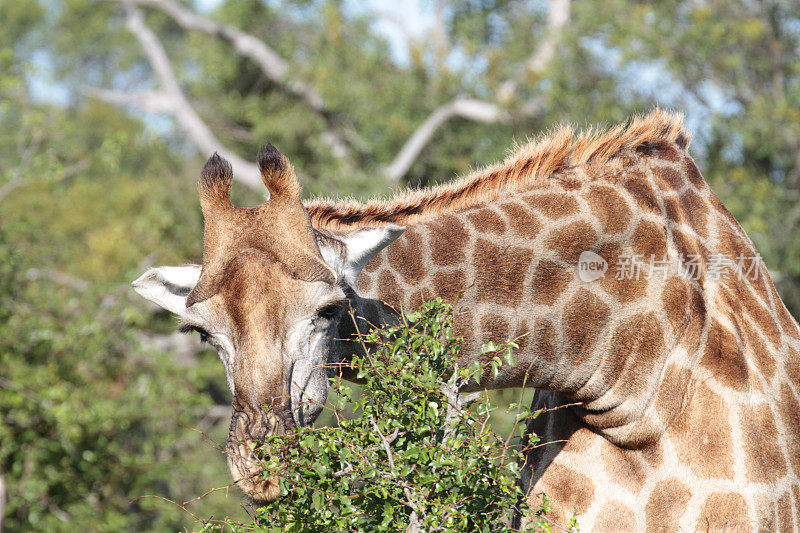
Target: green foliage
x=414, y=452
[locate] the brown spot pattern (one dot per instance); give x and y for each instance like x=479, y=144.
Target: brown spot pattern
x=485, y=220
x=389, y=290
x=725, y=359
x=522, y=221
x=625, y=467
x=502, y=272
x=572, y=240
x=694, y=175
x=552, y=205
x=724, y=512
x=763, y=457
x=666, y=505
x=448, y=284
x=495, y=328
x=405, y=256
x=675, y=298
x=572, y=490
x=789, y=411
x=649, y=239
x=585, y=316
x=614, y=516
x=609, y=207
x=642, y=192
x=448, y=240
x=667, y=179
x=549, y=282
x=703, y=425
x=626, y=288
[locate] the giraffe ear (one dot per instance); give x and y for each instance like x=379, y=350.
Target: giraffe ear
x=349, y=252
x=168, y=286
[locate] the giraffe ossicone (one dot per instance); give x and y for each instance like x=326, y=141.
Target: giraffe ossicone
x=635, y=297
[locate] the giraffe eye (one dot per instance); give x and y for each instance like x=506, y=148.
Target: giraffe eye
x=329, y=311
x=204, y=335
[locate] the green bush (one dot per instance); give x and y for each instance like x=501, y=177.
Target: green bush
x=414, y=458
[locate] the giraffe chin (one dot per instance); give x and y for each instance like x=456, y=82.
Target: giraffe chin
x=248, y=430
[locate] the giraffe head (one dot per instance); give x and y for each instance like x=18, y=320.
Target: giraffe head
x=272, y=296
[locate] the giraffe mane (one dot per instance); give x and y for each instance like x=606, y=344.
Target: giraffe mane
x=537, y=159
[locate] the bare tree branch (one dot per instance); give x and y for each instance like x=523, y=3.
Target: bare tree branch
x=483, y=111
x=272, y=65
x=557, y=19
x=170, y=99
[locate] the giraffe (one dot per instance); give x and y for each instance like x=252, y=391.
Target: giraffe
x=674, y=393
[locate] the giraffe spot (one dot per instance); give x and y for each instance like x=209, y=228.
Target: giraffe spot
x=364, y=283
x=584, y=318
x=693, y=173
x=495, y=328
x=674, y=210
x=759, y=353
x=418, y=296
x=675, y=298
x=633, y=355
x=625, y=467
x=691, y=252
x=671, y=392
x=570, y=489
x=744, y=297
x=464, y=327
x=666, y=505
x=375, y=263
x=696, y=211
x=702, y=435
x=694, y=326
x=653, y=454
x=552, y=205
x=731, y=244
x=789, y=411
x=572, y=240
x=616, y=282
x=725, y=359
x=796, y=496
x=485, y=220
x=668, y=179
x=724, y=512
x=522, y=221
x=406, y=256
x=448, y=284
x=614, y=516
x=785, y=512
x=549, y=282
x=642, y=192
x=544, y=340
x=522, y=336
x=792, y=366
x=389, y=290
x=649, y=240
x=609, y=207
x=763, y=457
x=448, y=240
x=501, y=272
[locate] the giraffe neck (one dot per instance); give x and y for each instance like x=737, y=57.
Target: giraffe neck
x=511, y=267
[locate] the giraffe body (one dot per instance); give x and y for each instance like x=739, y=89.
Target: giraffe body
x=677, y=389
x=688, y=381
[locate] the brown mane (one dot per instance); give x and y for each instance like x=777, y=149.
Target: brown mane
x=537, y=159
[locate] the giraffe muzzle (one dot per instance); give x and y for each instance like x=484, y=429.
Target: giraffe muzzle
x=246, y=454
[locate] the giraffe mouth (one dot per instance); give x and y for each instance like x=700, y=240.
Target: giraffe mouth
x=246, y=454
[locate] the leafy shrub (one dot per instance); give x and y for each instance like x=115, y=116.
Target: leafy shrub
x=415, y=458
